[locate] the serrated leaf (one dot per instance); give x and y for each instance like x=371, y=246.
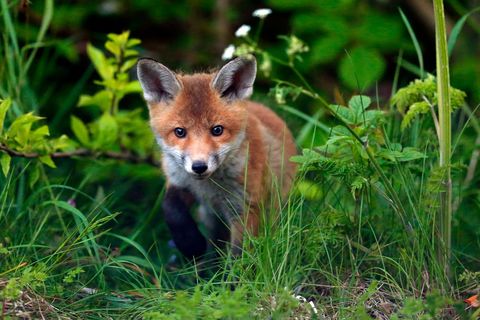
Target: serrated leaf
x=80, y=130
x=344, y=113
x=5, y=161
x=4, y=106
x=358, y=104
x=47, y=160
x=361, y=68
x=100, y=62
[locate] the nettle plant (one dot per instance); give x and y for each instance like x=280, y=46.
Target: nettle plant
x=116, y=133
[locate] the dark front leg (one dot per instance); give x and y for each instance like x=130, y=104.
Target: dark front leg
x=184, y=230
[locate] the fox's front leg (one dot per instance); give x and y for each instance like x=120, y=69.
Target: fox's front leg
x=184, y=230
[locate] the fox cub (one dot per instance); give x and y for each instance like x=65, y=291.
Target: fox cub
x=228, y=154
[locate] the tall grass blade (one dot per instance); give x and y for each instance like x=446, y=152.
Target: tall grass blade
x=444, y=215
x=452, y=40
x=416, y=44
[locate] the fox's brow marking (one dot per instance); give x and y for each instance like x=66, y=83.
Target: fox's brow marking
x=198, y=95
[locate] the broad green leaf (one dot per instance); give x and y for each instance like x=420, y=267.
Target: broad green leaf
x=113, y=48
x=326, y=49
x=102, y=99
x=62, y=143
x=20, y=128
x=41, y=132
x=346, y=114
x=309, y=190
x=107, y=131
x=80, y=130
x=5, y=161
x=409, y=154
x=47, y=160
x=361, y=68
x=132, y=87
x=381, y=30
x=100, y=62
x=359, y=104
x=4, y=106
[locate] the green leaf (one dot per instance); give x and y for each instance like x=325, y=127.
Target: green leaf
x=107, y=131
x=41, y=132
x=415, y=109
x=5, y=161
x=4, y=106
x=409, y=154
x=113, y=48
x=345, y=113
x=359, y=104
x=133, y=42
x=361, y=68
x=380, y=30
x=127, y=65
x=416, y=44
x=47, y=160
x=102, y=99
x=20, y=128
x=80, y=130
x=326, y=49
x=132, y=87
x=100, y=62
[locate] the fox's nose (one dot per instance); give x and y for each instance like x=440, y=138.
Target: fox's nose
x=199, y=167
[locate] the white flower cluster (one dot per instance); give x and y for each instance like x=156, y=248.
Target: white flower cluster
x=243, y=31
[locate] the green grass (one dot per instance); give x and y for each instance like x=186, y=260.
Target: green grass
x=355, y=240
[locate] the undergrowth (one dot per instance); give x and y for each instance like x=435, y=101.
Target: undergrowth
x=81, y=234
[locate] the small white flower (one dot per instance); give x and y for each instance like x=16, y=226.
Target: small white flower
x=228, y=52
x=261, y=13
x=242, y=31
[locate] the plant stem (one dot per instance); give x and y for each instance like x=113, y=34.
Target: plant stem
x=444, y=216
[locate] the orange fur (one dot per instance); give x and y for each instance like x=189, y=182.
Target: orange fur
x=266, y=147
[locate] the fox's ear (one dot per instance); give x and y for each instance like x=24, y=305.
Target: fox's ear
x=235, y=79
x=159, y=84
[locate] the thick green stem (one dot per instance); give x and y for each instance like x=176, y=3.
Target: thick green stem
x=444, y=216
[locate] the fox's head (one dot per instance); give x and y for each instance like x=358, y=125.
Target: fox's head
x=199, y=119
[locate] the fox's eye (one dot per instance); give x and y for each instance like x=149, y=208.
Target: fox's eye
x=180, y=132
x=217, y=130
